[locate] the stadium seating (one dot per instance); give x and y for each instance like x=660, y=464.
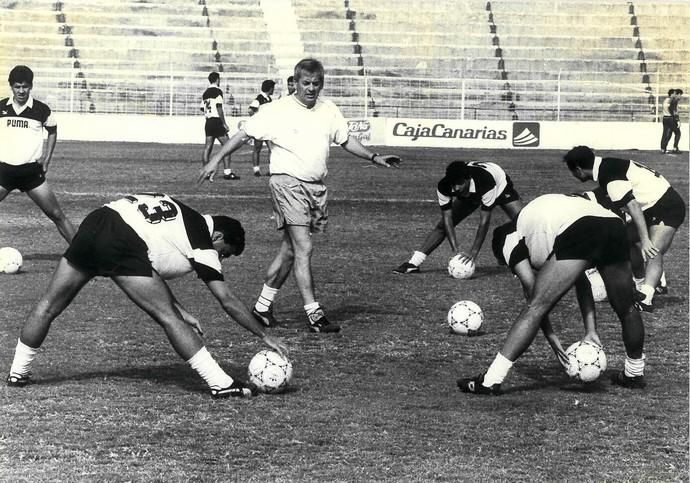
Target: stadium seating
x=477, y=59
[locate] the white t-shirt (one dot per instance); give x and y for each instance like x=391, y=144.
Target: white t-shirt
x=300, y=138
x=624, y=180
x=21, y=130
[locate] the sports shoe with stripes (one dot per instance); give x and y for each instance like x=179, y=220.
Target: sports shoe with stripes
x=407, y=267
x=319, y=323
x=474, y=385
x=266, y=318
x=236, y=389
x=18, y=380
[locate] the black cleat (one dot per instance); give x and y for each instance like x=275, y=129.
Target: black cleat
x=231, y=176
x=18, y=380
x=634, y=382
x=639, y=302
x=236, y=389
x=474, y=385
x=661, y=289
x=407, y=267
x=257, y=174
x=266, y=318
x=319, y=323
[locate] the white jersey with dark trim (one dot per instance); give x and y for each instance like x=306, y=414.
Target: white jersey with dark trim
x=178, y=237
x=624, y=180
x=210, y=99
x=21, y=130
x=487, y=182
x=544, y=218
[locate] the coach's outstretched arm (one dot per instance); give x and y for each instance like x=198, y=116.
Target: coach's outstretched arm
x=209, y=169
x=353, y=146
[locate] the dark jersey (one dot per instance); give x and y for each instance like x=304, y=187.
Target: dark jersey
x=211, y=98
x=487, y=182
x=623, y=180
x=21, y=133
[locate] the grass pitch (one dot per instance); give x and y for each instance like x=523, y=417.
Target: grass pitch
x=377, y=402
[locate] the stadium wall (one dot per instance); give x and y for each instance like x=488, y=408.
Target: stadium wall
x=389, y=132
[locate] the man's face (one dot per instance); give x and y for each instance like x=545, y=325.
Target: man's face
x=579, y=174
x=461, y=188
x=308, y=88
x=21, y=92
x=291, y=87
x=225, y=250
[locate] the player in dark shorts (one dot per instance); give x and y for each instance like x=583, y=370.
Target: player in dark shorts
x=466, y=187
x=216, y=127
x=561, y=236
x=139, y=241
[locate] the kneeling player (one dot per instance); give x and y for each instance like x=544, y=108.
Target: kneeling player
x=138, y=241
x=466, y=187
x=561, y=236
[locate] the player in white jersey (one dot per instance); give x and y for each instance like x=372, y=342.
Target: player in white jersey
x=561, y=236
x=465, y=187
x=216, y=127
x=140, y=241
x=23, y=160
x=300, y=129
x=656, y=209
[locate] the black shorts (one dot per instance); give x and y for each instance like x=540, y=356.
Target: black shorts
x=602, y=241
x=24, y=177
x=508, y=195
x=107, y=246
x=214, y=128
x=669, y=210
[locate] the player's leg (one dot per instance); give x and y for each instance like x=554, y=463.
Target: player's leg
x=256, y=155
x=435, y=237
x=512, y=209
x=676, y=137
x=666, y=134
x=619, y=289
x=66, y=282
x=661, y=236
x=276, y=275
x=44, y=197
x=153, y=296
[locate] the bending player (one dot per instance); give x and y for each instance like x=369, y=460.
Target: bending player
x=561, y=236
x=466, y=187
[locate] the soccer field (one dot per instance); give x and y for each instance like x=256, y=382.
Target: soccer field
x=376, y=402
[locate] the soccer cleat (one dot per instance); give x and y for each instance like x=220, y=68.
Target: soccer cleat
x=661, y=289
x=407, y=267
x=257, y=174
x=631, y=382
x=18, y=380
x=266, y=318
x=474, y=385
x=231, y=176
x=676, y=150
x=236, y=389
x=319, y=323
x=639, y=303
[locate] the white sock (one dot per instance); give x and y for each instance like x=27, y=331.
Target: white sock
x=23, y=357
x=634, y=367
x=498, y=371
x=638, y=282
x=257, y=169
x=648, y=292
x=227, y=171
x=265, y=300
x=417, y=258
x=311, y=308
x=209, y=370
x=662, y=280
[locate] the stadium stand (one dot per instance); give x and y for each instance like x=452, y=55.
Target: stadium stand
x=473, y=59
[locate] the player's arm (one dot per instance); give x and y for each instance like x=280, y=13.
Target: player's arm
x=49, y=147
x=353, y=146
x=235, y=142
x=482, y=230
x=239, y=312
x=523, y=271
x=585, y=300
x=635, y=211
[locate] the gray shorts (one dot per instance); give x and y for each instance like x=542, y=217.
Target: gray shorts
x=299, y=203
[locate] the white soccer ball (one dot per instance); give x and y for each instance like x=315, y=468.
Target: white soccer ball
x=586, y=361
x=460, y=269
x=597, y=284
x=270, y=372
x=10, y=260
x=465, y=317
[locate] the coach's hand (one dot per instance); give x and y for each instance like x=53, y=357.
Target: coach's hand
x=387, y=160
x=206, y=173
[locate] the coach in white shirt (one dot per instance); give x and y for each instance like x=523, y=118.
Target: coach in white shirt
x=300, y=130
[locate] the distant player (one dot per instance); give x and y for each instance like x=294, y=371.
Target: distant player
x=290, y=85
x=216, y=126
x=561, y=236
x=264, y=97
x=139, y=241
x=23, y=160
x=656, y=209
x=677, y=95
x=466, y=187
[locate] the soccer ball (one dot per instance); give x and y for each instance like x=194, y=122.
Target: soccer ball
x=10, y=260
x=586, y=361
x=270, y=372
x=460, y=269
x=465, y=317
x=597, y=284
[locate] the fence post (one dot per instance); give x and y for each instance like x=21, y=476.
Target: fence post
x=172, y=88
x=366, y=94
x=558, y=98
x=462, y=101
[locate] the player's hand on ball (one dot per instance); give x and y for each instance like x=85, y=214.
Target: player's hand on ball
x=592, y=337
x=277, y=345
